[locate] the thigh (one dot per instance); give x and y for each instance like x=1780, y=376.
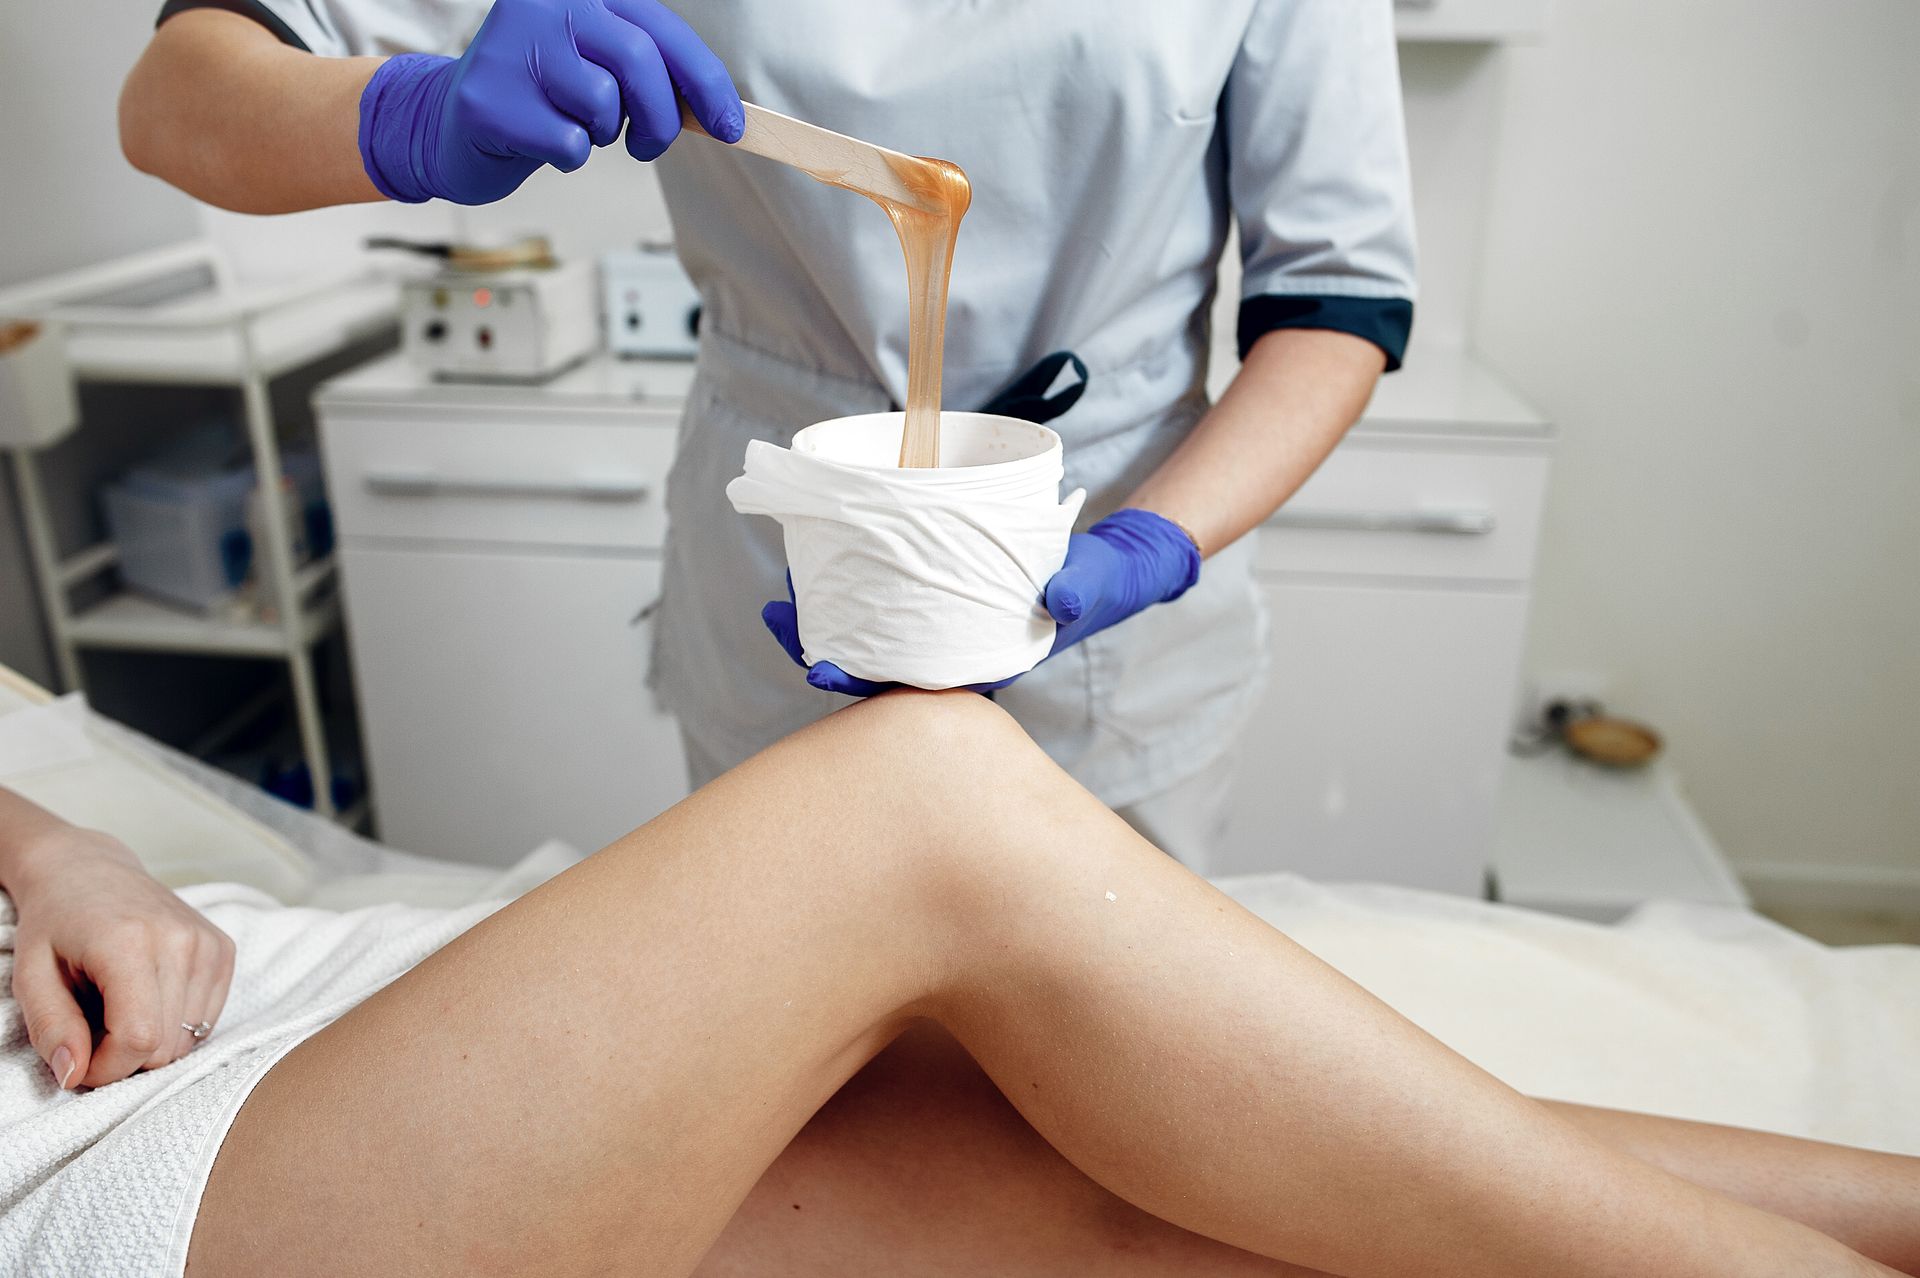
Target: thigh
x=919, y=1166
x=592, y=1079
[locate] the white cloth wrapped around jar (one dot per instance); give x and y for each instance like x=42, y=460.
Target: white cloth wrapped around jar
x=931, y=577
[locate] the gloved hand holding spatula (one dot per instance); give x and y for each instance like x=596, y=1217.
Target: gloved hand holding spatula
x=543, y=82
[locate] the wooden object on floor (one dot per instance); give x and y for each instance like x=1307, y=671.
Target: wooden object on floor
x=1615, y=743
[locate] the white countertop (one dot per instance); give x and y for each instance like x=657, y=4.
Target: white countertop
x=1477, y=21
x=1442, y=392
x=1575, y=838
x=1447, y=390
x=601, y=381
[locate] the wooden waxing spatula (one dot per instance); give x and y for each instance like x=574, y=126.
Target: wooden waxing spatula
x=833, y=158
x=889, y=177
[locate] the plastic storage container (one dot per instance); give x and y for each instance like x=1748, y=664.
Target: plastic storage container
x=181, y=536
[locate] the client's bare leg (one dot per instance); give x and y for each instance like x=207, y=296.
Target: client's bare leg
x=1869, y=1201
x=920, y=1166
x=592, y=1080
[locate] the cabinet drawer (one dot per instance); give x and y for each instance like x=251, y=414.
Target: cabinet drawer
x=546, y=484
x=504, y=700
x=1404, y=512
x=1377, y=749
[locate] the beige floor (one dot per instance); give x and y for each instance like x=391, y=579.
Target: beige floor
x=1849, y=927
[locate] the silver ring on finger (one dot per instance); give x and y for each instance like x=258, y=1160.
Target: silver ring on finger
x=199, y=1031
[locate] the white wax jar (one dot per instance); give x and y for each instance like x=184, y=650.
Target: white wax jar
x=932, y=576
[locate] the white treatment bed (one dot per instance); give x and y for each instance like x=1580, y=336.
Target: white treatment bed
x=1701, y=1013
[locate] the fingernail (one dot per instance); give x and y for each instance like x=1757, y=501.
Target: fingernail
x=732, y=126
x=818, y=677
x=62, y=1065
x=1069, y=607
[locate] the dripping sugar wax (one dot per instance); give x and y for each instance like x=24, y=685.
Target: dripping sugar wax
x=924, y=198
x=928, y=228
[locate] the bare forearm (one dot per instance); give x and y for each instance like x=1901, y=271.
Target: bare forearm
x=26, y=832
x=221, y=109
x=1294, y=398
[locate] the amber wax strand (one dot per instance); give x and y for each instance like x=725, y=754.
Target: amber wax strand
x=927, y=233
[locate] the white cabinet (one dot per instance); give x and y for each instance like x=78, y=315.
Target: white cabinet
x=1376, y=752
x=1477, y=21
x=1396, y=582
x=506, y=699
x=499, y=547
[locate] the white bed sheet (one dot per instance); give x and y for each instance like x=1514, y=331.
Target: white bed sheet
x=1702, y=1013
x=191, y=823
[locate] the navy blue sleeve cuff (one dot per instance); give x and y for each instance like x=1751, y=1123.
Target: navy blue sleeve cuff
x=246, y=9
x=1387, y=322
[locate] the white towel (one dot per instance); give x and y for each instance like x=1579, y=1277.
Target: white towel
x=106, y=1181
x=903, y=581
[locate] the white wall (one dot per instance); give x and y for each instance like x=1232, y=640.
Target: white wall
x=612, y=203
x=66, y=198
x=1703, y=262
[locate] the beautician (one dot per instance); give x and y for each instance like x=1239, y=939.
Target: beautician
x=1109, y=143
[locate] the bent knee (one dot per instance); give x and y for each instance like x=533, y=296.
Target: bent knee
x=954, y=706
x=958, y=724
x=954, y=759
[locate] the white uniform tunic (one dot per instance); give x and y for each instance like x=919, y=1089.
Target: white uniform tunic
x=1108, y=143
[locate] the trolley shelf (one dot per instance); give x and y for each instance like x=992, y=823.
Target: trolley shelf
x=130, y=621
x=179, y=316
x=192, y=347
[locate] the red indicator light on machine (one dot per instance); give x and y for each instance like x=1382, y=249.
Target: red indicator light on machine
x=483, y=297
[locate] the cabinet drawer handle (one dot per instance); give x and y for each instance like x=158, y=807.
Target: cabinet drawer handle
x=421, y=483
x=1463, y=522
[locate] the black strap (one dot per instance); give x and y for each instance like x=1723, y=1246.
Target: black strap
x=1027, y=398
x=246, y=9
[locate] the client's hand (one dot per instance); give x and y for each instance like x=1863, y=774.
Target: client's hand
x=111, y=970
x=1128, y=561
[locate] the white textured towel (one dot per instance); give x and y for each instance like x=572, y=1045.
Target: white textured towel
x=107, y=1181
x=901, y=580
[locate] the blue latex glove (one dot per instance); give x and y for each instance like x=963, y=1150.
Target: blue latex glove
x=1128, y=561
x=782, y=617
x=542, y=83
